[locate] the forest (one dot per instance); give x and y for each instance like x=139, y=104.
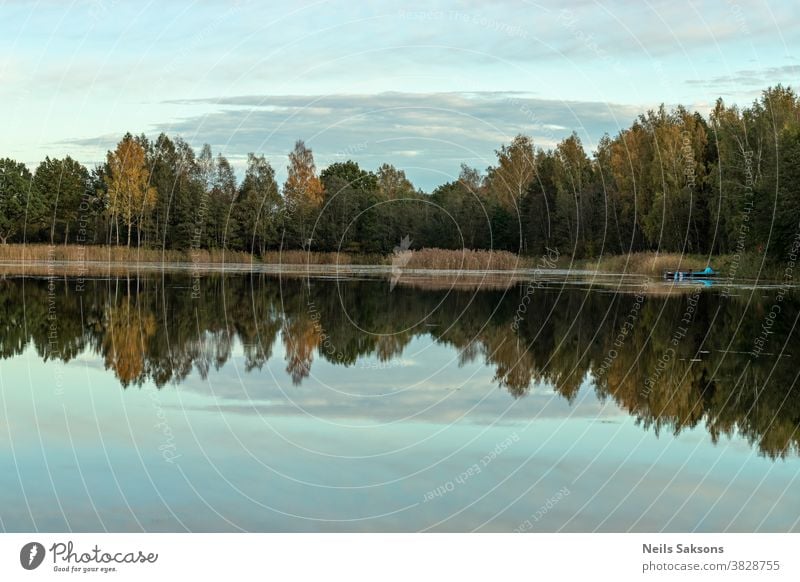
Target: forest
x=674, y=181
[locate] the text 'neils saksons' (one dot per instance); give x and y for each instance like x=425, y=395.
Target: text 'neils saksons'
x=681, y=549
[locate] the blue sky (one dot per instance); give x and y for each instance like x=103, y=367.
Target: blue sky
x=422, y=85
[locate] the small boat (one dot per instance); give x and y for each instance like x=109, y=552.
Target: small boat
x=706, y=273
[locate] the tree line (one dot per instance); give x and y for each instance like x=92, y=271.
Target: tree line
x=673, y=181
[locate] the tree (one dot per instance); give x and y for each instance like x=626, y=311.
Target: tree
x=463, y=217
x=162, y=162
x=397, y=211
x=62, y=186
x=392, y=183
x=130, y=195
x=19, y=201
x=181, y=206
x=509, y=180
x=787, y=215
x=572, y=176
x=97, y=219
x=303, y=194
x=471, y=179
x=777, y=111
x=733, y=180
x=258, y=206
x=221, y=224
x=538, y=206
x=191, y=200
x=627, y=164
x=350, y=219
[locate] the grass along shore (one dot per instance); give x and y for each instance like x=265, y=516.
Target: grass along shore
x=744, y=267
x=39, y=254
x=32, y=258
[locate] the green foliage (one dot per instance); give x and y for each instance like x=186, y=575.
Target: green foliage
x=672, y=182
x=787, y=216
x=257, y=208
x=62, y=186
x=350, y=216
x=20, y=204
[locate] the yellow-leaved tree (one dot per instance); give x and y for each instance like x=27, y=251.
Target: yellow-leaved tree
x=130, y=195
x=303, y=193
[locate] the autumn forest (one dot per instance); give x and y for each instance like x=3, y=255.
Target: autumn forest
x=673, y=181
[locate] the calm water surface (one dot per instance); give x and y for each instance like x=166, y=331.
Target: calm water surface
x=269, y=404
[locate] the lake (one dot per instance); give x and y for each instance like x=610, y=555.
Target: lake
x=160, y=402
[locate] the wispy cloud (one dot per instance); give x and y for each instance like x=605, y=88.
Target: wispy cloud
x=749, y=78
x=472, y=73
x=432, y=132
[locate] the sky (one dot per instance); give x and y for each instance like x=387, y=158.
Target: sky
x=422, y=85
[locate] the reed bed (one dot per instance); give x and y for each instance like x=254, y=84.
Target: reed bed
x=468, y=260
x=297, y=257
x=433, y=259
x=91, y=257
x=746, y=267
x=646, y=263
x=43, y=253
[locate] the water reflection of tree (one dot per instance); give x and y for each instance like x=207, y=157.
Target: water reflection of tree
x=150, y=329
x=301, y=337
x=129, y=325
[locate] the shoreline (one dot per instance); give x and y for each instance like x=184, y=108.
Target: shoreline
x=43, y=259
x=430, y=279
x=100, y=267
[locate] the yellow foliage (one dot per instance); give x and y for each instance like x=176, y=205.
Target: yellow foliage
x=130, y=194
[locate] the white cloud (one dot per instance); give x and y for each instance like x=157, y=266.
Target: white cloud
x=437, y=130
x=752, y=78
